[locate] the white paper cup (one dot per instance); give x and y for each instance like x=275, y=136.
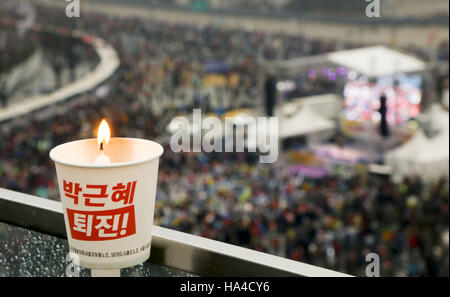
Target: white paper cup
x=108, y=208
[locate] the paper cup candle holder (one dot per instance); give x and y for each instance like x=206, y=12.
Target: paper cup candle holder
x=108, y=187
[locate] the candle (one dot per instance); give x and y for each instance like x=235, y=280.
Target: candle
x=102, y=159
x=103, y=136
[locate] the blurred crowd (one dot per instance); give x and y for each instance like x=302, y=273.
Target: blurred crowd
x=331, y=222
x=13, y=49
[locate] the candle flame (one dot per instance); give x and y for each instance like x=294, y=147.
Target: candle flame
x=103, y=134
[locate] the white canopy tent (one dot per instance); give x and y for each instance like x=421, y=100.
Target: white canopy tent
x=326, y=105
x=304, y=121
x=421, y=156
x=445, y=98
x=376, y=61
x=440, y=119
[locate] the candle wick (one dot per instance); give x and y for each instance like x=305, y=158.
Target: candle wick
x=101, y=146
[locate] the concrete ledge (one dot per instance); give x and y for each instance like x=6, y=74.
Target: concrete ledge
x=183, y=251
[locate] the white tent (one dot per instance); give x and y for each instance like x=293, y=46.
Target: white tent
x=421, y=156
x=445, y=98
x=303, y=122
x=440, y=119
x=327, y=105
x=376, y=61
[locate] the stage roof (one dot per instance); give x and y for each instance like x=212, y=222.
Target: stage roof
x=375, y=61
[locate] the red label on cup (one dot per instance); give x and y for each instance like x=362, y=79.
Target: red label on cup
x=101, y=225
x=95, y=195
